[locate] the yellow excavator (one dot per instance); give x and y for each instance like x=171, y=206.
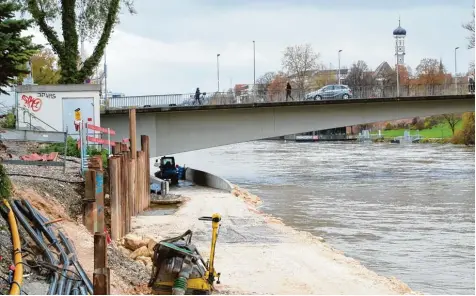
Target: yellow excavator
x=179, y=269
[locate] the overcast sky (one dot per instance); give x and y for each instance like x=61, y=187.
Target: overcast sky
x=171, y=46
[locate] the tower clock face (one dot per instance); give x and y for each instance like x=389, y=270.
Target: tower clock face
x=400, y=60
x=400, y=48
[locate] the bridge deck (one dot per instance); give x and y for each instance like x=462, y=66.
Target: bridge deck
x=285, y=104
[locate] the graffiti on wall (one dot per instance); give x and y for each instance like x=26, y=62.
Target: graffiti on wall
x=34, y=103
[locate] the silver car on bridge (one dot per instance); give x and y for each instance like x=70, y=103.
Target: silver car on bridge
x=333, y=91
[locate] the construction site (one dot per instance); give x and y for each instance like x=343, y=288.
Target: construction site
x=74, y=226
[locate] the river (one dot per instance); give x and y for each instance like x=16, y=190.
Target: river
x=402, y=210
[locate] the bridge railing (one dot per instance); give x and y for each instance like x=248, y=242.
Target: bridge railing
x=263, y=96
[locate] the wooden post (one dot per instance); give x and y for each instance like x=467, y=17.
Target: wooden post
x=124, y=193
x=144, y=141
x=99, y=221
x=140, y=181
x=116, y=149
x=132, y=132
x=131, y=167
x=115, y=196
x=101, y=282
x=89, y=205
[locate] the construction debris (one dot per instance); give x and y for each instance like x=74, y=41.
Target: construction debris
x=53, y=156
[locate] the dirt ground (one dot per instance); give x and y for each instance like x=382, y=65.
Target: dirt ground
x=257, y=254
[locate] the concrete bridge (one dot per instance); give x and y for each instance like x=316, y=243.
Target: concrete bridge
x=180, y=129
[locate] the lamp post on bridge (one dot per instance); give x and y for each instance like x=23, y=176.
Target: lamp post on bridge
x=218, y=72
x=254, y=64
x=338, y=73
x=456, y=73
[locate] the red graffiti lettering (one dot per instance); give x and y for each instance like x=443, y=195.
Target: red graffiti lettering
x=33, y=103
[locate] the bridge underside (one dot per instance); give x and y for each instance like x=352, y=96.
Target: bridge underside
x=179, y=130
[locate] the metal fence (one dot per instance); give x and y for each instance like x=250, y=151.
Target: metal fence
x=260, y=96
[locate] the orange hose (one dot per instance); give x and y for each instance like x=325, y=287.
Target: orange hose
x=17, y=257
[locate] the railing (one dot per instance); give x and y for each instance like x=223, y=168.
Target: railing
x=27, y=114
x=263, y=96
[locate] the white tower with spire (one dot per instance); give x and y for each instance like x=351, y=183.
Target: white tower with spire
x=400, y=34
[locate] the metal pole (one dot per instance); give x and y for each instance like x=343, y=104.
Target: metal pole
x=254, y=64
x=398, y=76
x=456, y=73
x=218, y=72
x=338, y=73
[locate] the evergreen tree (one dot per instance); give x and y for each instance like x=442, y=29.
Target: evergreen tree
x=15, y=51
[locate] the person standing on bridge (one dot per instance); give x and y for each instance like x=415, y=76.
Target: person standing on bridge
x=288, y=91
x=197, y=96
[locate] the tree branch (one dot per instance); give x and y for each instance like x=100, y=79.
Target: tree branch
x=50, y=34
x=94, y=59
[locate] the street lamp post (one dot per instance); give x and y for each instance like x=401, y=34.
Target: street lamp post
x=456, y=73
x=254, y=64
x=338, y=73
x=218, y=71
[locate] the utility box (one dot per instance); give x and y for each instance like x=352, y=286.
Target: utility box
x=55, y=107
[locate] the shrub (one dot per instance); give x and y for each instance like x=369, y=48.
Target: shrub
x=9, y=121
x=419, y=125
x=432, y=121
x=5, y=184
x=71, y=148
x=388, y=126
x=466, y=134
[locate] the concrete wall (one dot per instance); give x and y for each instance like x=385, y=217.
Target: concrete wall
x=180, y=130
x=206, y=179
x=47, y=103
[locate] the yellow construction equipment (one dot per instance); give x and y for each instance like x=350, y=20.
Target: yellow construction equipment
x=178, y=268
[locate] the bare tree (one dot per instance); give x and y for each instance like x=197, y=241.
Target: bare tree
x=470, y=27
x=263, y=82
x=453, y=120
x=298, y=61
x=359, y=75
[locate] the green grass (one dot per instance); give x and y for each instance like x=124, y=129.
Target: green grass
x=442, y=130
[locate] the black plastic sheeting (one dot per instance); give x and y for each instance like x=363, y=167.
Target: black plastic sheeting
x=67, y=276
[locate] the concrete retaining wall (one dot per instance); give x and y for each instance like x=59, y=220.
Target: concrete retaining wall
x=206, y=179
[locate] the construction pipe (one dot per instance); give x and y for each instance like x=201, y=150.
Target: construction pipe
x=15, y=289
x=38, y=219
x=39, y=242
x=76, y=264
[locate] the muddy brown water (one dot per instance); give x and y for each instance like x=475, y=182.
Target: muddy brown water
x=403, y=210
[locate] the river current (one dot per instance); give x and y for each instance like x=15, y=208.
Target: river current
x=402, y=210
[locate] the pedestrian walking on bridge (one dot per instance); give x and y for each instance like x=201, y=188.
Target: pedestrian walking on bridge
x=288, y=91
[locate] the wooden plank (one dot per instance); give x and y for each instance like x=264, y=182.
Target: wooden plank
x=144, y=140
x=132, y=131
x=131, y=186
x=114, y=183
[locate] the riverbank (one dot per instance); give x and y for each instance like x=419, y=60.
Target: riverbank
x=258, y=254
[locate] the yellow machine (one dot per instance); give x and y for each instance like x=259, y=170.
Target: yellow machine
x=178, y=268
